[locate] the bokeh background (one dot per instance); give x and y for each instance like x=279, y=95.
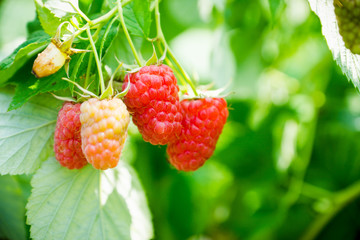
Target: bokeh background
x=287, y=163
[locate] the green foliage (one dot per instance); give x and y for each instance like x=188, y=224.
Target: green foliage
x=64, y=204
x=11, y=209
x=11, y=64
x=26, y=134
x=286, y=165
x=138, y=17
x=28, y=85
x=52, y=12
x=87, y=204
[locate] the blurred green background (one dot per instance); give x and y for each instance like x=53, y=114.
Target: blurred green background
x=288, y=161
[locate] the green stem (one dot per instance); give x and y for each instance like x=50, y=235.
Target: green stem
x=160, y=36
x=341, y=199
x=88, y=70
x=75, y=71
x=105, y=36
x=122, y=21
x=97, y=60
x=91, y=55
x=83, y=15
x=104, y=18
x=187, y=79
x=97, y=32
x=296, y=183
x=181, y=78
x=315, y=192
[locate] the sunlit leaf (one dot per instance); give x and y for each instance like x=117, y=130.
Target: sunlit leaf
x=87, y=204
x=22, y=54
x=137, y=17
x=52, y=12
x=26, y=134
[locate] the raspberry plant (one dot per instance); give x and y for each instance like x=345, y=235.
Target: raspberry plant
x=69, y=85
x=278, y=159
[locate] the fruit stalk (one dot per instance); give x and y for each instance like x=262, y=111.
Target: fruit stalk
x=97, y=60
x=341, y=199
x=161, y=37
x=105, y=18
x=122, y=21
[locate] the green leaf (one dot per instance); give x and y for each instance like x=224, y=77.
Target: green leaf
x=87, y=204
x=103, y=43
x=37, y=41
x=52, y=12
x=120, y=49
x=28, y=85
x=12, y=209
x=348, y=61
x=108, y=34
x=26, y=134
x=275, y=7
x=34, y=26
x=137, y=17
x=96, y=6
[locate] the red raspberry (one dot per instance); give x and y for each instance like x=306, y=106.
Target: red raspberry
x=153, y=101
x=67, y=144
x=203, y=121
x=104, y=125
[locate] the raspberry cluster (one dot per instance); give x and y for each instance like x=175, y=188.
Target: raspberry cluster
x=95, y=131
x=191, y=128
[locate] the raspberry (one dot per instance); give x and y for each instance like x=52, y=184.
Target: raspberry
x=203, y=121
x=103, y=131
x=153, y=101
x=348, y=17
x=67, y=145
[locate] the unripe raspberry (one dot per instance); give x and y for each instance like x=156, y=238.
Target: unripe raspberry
x=104, y=126
x=348, y=18
x=67, y=144
x=203, y=121
x=154, y=103
x=49, y=61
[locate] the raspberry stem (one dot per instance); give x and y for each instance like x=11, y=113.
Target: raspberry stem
x=340, y=200
x=81, y=13
x=122, y=21
x=88, y=70
x=160, y=36
x=168, y=62
x=97, y=60
x=103, y=19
